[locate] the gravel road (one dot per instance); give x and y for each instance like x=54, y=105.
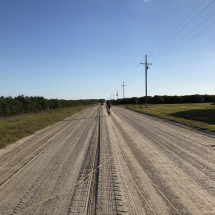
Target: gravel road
x=125, y=163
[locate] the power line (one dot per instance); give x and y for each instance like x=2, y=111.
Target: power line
x=135, y=77
x=157, y=58
x=183, y=28
x=133, y=73
x=186, y=41
x=176, y=27
x=184, y=37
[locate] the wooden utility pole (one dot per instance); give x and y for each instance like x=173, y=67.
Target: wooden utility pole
x=123, y=89
x=146, y=67
x=117, y=94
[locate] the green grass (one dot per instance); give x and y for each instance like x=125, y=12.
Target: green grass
x=17, y=127
x=200, y=115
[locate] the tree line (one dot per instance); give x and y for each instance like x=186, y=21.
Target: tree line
x=23, y=104
x=166, y=99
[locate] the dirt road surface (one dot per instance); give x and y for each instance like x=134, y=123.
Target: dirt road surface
x=125, y=163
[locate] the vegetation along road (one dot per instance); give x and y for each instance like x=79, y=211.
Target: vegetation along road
x=125, y=163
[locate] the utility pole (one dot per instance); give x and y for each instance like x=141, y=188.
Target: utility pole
x=117, y=94
x=113, y=96
x=123, y=89
x=146, y=67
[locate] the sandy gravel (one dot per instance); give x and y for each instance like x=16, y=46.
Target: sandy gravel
x=125, y=163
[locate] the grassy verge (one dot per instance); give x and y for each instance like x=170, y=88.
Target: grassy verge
x=200, y=115
x=17, y=127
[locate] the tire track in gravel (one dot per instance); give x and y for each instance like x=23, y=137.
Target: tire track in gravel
x=84, y=199
x=29, y=141
x=134, y=191
x=19, y=152
x=126, y=163
x=93, y=189
x=203, y=199
x=45, y=165
x=194, y=159
x=148, y=170
x=97, y=190
x=110, y=197
x=56, y=163
x=17, y=159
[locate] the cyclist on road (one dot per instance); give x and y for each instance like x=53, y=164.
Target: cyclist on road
x=108, y=105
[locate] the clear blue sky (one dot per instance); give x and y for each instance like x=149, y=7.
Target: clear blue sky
x=83, y=49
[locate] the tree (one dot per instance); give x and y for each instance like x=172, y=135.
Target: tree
x=157, y=99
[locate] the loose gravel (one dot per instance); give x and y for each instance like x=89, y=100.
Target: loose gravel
x=123, y=163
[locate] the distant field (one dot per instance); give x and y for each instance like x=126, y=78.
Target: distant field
x=201, y=115
x=17, y=127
